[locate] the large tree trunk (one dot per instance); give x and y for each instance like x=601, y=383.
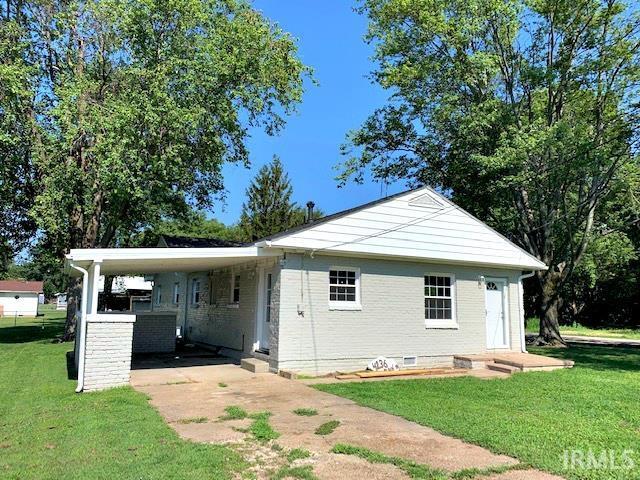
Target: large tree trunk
x=549, y=334
x=74, y=294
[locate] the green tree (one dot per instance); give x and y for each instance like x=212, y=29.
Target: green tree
x=134, y=107
x=196, y=224
x=44, y=262
x=17, y=173
x=526, y=110
x=269, y=208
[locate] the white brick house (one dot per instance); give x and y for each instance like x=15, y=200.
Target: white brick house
x=412, y=277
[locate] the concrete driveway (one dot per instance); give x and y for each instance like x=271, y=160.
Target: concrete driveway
x=193, y=399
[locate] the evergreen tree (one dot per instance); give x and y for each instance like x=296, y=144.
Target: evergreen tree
x=269, y=209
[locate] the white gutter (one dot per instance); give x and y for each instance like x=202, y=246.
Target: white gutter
x=523, y=343
x=83, y=326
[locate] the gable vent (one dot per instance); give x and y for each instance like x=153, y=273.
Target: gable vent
x=425, y=201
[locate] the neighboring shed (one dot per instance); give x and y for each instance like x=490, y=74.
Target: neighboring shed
x=61, y=301
x=19, y=297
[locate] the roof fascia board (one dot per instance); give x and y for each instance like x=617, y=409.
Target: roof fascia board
x=104, y=254
x=406, y=258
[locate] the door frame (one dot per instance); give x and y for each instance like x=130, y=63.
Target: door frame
x=260, y=305
x=505, y=312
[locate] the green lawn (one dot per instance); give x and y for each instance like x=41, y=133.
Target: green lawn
x=537, y=416
x=533, y=326
x=49, y=432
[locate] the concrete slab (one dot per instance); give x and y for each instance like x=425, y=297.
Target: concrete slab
x=205, y=391
x=523, y=362
x=331, y=467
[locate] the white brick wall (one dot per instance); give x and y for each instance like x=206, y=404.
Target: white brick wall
x=275, y=319
x=108, y=352
x=216, y=321
x=165, y=283
x=391, y=321
x=154, y=333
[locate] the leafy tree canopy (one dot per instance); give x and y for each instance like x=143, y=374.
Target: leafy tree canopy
x=116, y=114
x=525, y=110
x=131, y=108
x=195, y=225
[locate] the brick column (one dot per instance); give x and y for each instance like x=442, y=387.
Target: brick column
x=108, y=350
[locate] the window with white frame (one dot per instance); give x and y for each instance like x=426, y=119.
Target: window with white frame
x=235, y=288
x=344, y=288
x=195, y=291
x=158, y=296
x=176, y=293
x=439, y=301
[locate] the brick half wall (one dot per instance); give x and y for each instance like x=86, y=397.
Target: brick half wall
x=154, y=332
x=108, y=351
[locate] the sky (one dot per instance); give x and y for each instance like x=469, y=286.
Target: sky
x=330, y=40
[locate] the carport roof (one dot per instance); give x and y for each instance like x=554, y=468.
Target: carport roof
x=156, y=260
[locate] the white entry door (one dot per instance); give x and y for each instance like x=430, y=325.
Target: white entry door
x=265, y=327
x=497, y=324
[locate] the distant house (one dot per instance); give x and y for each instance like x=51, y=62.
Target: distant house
x=61, y=301
x=19, y=297
x=128, y=293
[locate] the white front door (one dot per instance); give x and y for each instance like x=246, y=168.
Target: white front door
x=495, y=300
x=265, y=327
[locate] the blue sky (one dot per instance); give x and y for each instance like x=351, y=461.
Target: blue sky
x=330, y=40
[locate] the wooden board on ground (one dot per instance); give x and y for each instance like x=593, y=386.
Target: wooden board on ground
x=398, y=373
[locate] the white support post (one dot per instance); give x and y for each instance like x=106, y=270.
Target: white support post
x=94, y=278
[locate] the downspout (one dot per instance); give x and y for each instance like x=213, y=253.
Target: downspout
x=523, y=344
x=83, y=325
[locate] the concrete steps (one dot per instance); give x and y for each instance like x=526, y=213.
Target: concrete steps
x=510, y=362
x=500, y=367
x=254, y=365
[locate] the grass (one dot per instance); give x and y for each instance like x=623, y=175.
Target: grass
x=49, y=432
x=301, y=473
x=222, y=385
x=306, y=412
x=414, y=470
x=186, y=421
x=234, y=413
x=533, y=326
x=298, y=454
x=537, y=417
x=261, y=429
x=421, y=471
x=327, y=428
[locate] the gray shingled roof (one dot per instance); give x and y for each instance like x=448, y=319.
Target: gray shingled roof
x=172, y=241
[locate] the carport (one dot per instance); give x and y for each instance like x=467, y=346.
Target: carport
x=105, y=340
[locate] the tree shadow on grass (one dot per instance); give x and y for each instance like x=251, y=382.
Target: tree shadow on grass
x=72, y=371
x=31, y=333
x=597, y=357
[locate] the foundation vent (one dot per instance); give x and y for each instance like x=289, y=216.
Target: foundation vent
x=409, y=361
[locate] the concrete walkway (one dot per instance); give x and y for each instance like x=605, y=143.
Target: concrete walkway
x=599, y=341
x=596, y=341
x=184, y=394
